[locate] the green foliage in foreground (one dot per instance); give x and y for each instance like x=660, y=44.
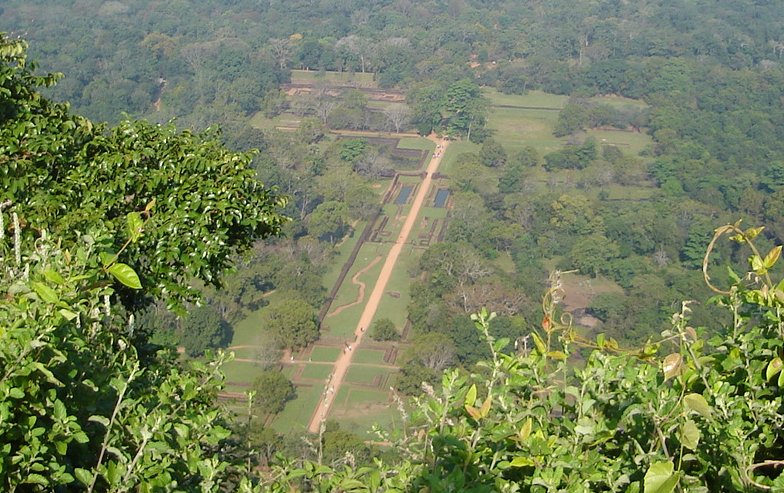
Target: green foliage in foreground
x=682, y=412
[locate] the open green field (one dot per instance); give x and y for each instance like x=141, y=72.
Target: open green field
x=452, y=151
x=359, y=409
x=392, y=307
x=365, y=375
x=537, y=99
x=343, y=251
x=324, y=353
x=619, y=101
x=316, y=372
x=368, y=356
x=516, y=128
x=296, y=415
x=240, y=375
x=285, y=120
x=419, y=143
x=357, y=79
x=344, y=323
x=628, y=142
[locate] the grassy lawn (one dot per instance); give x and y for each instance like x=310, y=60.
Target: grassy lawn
x=296, y=415
x=620, y=101
x=629, y=142
x=283, y=120
x=344, y=323
x=336, y=78
x=516, y=128
x=316, y=372
x=396, y=308
x=532, y=99
x=349, y=291
x=342, y=253
x=433, y=212
x=359, y=409
x=249, y=332
x=364, y=374
x=419, y=143
x=455, y=149
x=240, y=375
x=368, y=356
x=323, y=353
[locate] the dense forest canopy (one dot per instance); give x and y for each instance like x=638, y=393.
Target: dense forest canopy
x=93, y=211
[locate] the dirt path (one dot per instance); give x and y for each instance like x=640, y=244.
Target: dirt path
x=355, y=280
x=344, y=360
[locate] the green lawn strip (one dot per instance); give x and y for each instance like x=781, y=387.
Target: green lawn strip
x=343, y=251
x=316, y=372
x=619, y=101
x=284, y=120
x=517, y=128
x=368, y=356
x=297, y=413
x=365, y=375
x=434, y=212
x=420, y=143
x=290, y=370
x=359, y=409
x=537, y=99
x=455, y=149
x=395, y=307
x=387, y=418
x=240, y=375
x=349, y=291
x=245, y=352
x=343, y=324
x=324, y=353
x=249, y=331
x=330, y=77
x=629, y=142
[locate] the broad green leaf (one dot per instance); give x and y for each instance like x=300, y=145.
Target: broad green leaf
x=522, y=462
x=690, y=435
x=36, y=479
x=474, y=412
x=126, y=275
x=539, y=343
x=54, y=276
x=557, y=355
x=774, y=367
x=107, y=257
x=134, y=225
x=525, y=430
x=67, y=314
x=660, y=478
x=752, y=233
x=772, y=257
x=84, y=476
x=757, y=265
x=45, y=292
x=100, y=419
x=697, y=403
x=672, y=365
x=485, y=410
x=470, y=399
x=584, y=426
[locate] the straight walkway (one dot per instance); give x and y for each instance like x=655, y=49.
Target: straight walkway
x=344, y=360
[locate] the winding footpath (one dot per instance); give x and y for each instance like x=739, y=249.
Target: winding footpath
x=344, y=360
x=356, y=282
